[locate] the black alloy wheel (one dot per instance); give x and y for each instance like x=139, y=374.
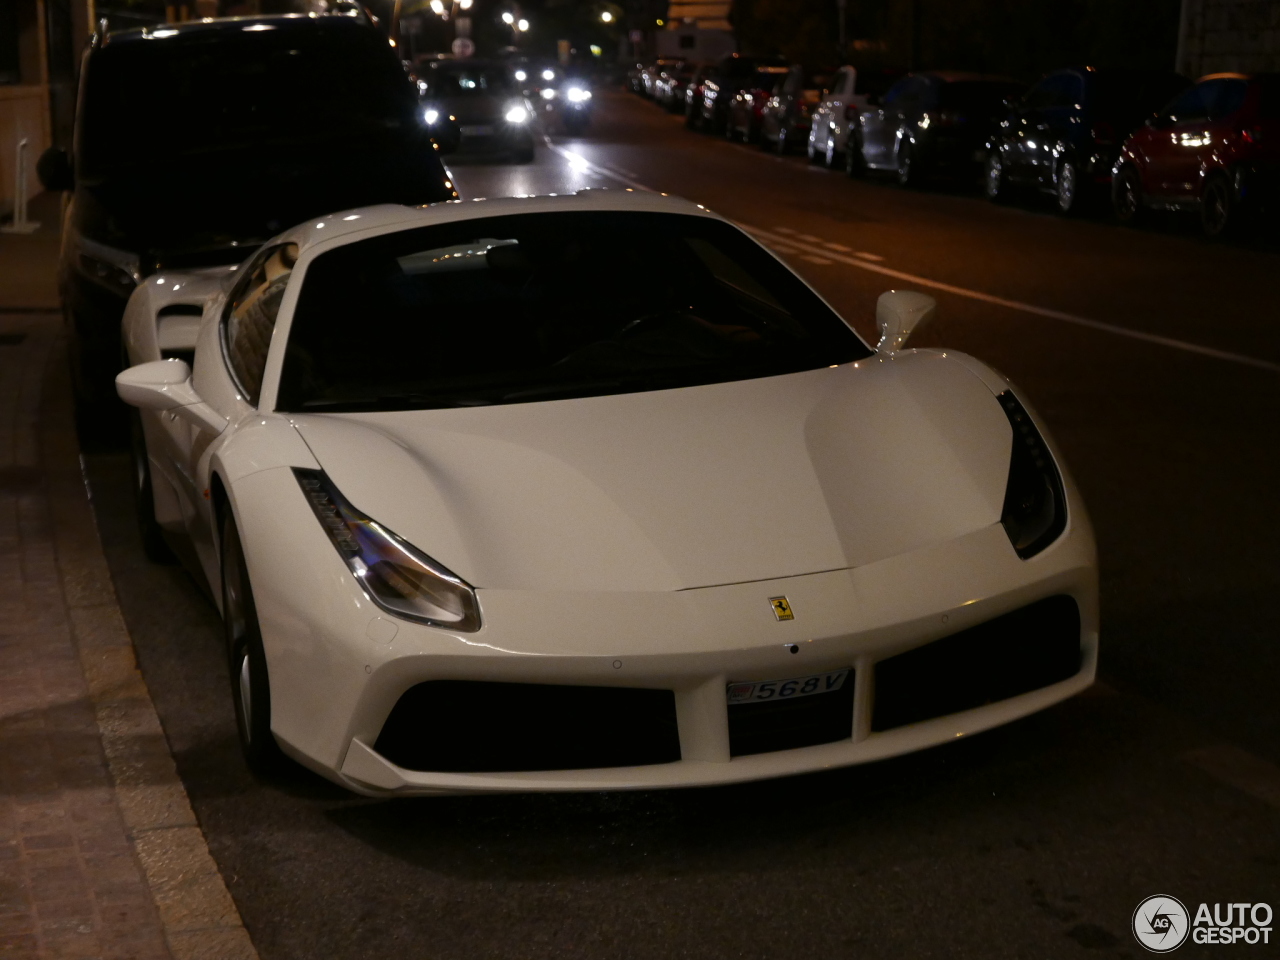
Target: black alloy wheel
x=153, y=543
x=994, y=183
x=908, y=166
x=855, y=164
x=1126, y=196
x=1218, y=214
x=1067, y=188
x=246, y=659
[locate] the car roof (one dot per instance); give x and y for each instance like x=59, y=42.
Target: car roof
x=231, y=25
x=363, y=222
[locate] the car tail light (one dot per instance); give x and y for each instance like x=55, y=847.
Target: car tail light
x=1251, y=134
x=393, y=573
x=1102, y=133
x=1035, y=510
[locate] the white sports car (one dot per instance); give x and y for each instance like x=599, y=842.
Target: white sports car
x=593, y=492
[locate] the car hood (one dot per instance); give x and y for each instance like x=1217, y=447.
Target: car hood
x=685, y=488
x=476, y=109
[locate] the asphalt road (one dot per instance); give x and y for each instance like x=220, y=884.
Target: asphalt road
x=1034, y=841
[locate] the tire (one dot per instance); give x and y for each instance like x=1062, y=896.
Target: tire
x=994, y=182
x=1126, y=197
x=246, y=660
x=153, y=543
x=908, y=166
x=1067, y=188
x=1219, y=213
x=855, y=164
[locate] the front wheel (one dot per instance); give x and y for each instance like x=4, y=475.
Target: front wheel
x=855, y=164
x=908, y=166
x=1218, y=211
x=1067, y=188
x=246, y=659
x=1126, y=196
x=994, y=182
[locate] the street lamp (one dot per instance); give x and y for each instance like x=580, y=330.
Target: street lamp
x=508, y=17
x=606, y=17
x=522, y=25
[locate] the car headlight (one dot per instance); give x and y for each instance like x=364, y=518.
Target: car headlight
x=517, y=114
x=1035, y=508
x=431, y=116
x=578, y=95
x=548, y=93
x=548, y=74
x=393, y=573
x=521, y=76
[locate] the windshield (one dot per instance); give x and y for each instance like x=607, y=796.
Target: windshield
x=978, y=96
x=151, y=102
x=545, y=306
x=455, y=81
x=1132, y=95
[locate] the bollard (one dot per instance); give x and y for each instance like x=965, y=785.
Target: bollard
x=20, y=222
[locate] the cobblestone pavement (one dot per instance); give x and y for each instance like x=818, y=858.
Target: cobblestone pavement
x=100, y=854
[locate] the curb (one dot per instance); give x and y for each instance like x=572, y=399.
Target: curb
x=197, y=913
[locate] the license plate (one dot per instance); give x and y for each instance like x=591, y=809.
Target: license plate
x=787, y=689
x=478, y=130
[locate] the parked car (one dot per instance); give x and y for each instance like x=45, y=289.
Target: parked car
x=649, y=76
x=672, y=84
x=730, y=76
x=539, y=550
x=635, y=77
x=197, y=141
x=479, y=107
x=1214, y=150
x=693, y=95
x=1063, y=136
x=786, y=117
x=836, y=114
x=742, y=122
x=932, y=123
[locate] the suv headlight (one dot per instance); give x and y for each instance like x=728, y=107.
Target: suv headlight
x=578, y=95
x=393, y=573
x=1035, y=508
x=516, y=113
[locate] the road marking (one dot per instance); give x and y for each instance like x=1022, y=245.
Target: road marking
x=1042, y=311
x=1240, y=769
x=869, y=256
x=838, y=247
x=809, y=238
x=861, y=262
x=821, y=261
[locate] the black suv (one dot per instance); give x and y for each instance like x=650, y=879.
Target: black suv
x=196, y=142
x=1064, y=134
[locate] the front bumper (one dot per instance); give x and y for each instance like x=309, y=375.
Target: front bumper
x=339, y=665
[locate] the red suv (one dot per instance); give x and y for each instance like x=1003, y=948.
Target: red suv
x=1215, y=149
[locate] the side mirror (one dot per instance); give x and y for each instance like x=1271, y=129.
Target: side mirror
x=165, y=385
x=898, y=314
x=54, y=170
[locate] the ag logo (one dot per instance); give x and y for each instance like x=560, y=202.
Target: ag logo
x=781, y=608
x=1161, y=924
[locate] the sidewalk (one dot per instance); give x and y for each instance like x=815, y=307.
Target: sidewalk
x=100, y=853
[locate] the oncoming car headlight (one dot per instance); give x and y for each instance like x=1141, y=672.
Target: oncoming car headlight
x=393, y=573
x=548, y=93
x=578, y=95
x=521, y=76
x=516, y=114
x=1035, y=508
x=431, y=116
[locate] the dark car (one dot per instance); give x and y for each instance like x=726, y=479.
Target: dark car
x=743, y=119
x=477, y=109
x=693, y=93
x=1063, y=136
x=196, y=142
x=670, y=91
x=786, y=117
x=932, y=123
x=730, y=76
x=1215, y=149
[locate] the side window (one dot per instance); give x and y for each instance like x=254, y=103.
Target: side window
x=1228, y=98
x=897, y=91
x=251, y=316
x=1054, y=91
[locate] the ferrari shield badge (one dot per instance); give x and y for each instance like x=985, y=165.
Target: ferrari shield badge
x=781, y=608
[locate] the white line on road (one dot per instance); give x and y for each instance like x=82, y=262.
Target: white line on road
x=1038, y=311
x=861, y=262
x=868, y=256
